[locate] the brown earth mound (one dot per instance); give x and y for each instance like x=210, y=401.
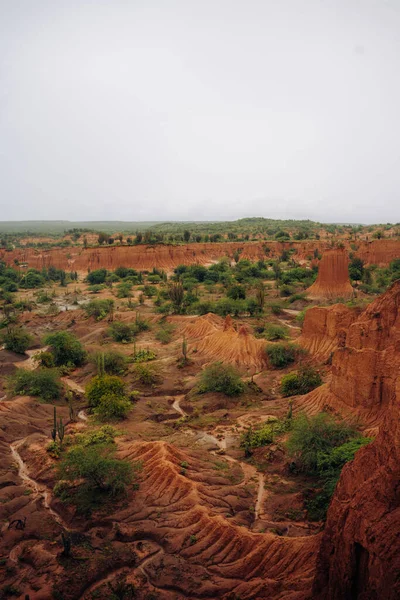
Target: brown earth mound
x=325, y=329
x=210, y=554
x=333, y=276
x=216, y=339
x=144, y=257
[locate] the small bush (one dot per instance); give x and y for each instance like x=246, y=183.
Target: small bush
x=44, y=383
x=164, y=334
x=281, y=355
x=45, y=359
x=112, y=407
x=143, y=355
x=103, y=385
x=66, y=349
x=219, y=377
x=17, y=340
x=103, y=435
x=99, y=309
x=274, y=332
x=114, y=362
x=146, y=374
x=302, y=382
x=122, y=332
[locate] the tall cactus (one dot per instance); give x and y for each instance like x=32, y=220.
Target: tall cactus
x=61, y=431
x=184, y=349
x=54, y=430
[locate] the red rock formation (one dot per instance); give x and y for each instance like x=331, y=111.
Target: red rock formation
x=325, y=328
x=166, y=257
x=360, y=551
x=333, y=276
x=365, y=369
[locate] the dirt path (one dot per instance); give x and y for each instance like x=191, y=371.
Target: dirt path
x=249, y=472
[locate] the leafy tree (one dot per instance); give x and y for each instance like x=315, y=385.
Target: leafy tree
x=273, y=332
x=176, y=294
x=99, y=474
x=66, y=349
x=112, y=407
x=17, y=340
x=97, y=276
x=219, y=377
x=104, y=385
x=123, y=332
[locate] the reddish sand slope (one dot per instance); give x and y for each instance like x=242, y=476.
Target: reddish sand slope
x=333, y=276
x=216, y=339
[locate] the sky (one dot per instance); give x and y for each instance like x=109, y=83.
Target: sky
x=200, y=109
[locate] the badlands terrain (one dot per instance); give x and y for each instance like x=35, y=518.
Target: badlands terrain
x=211, y=419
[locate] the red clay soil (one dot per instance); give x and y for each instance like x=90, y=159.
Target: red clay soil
x=216, y=339
x=144, y=257
x=333, y=276
x=365, y=370
x=325, y=329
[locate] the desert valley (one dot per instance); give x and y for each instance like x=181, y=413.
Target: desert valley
x=200, y=413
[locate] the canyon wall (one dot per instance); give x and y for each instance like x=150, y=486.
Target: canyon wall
x=145, y=257
x=359, y=558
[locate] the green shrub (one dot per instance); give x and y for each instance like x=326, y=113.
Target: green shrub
x=99, y=309
x=17, y=340
x=281, y=355
x=122, y=332
x=113, y=362
x=302, y=382
x=96, y=277
x=274, y=332
x=146, y=374
x=164, y=334
x=45, y=359
x=144, y=355
x=103, y=435
x=112, y=407
x=103, y=385
x=44, y=383
x=219, y=377
x=99, y=474
x=96, y=289
x=311, y=436
x=66, y=349
x=263, y=435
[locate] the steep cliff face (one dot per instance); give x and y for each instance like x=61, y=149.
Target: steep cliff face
x=359, y=558
x=325, y=329
x=168, y=257
x=333, y=276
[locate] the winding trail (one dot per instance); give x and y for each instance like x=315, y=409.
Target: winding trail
x=249, y=471
x=39, y=490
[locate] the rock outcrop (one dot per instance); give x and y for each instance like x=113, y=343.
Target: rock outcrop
x=325, y=329
x=333, y=277
x=359, y=558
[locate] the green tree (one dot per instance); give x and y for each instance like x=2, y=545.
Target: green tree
x=219, y=377
x=66, y=349
x=17, y=340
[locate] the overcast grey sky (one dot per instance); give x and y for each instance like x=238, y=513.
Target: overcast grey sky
x=200, y=109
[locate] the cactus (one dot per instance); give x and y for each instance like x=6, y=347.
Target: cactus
x=100, y=364
x=290, y=411
x=61, y=431
x=54, y=430
x=260, y=296
x=184, y=349
x=66, y=541
x=71, y=411
x=176, y=294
